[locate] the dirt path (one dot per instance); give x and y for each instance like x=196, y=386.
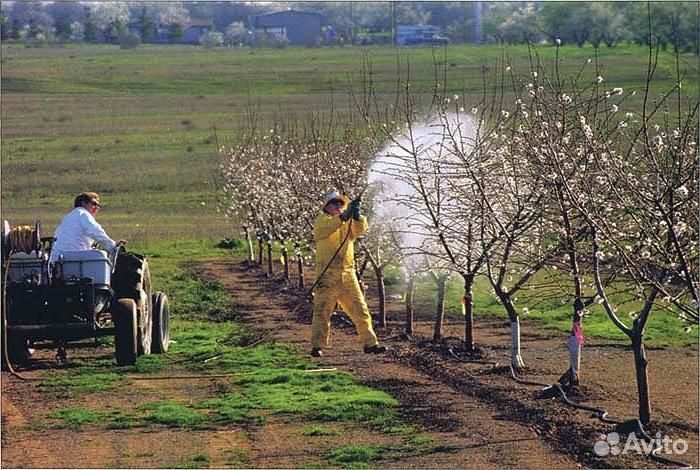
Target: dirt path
x=481, y=416
x=470, y=433
x=477, y=416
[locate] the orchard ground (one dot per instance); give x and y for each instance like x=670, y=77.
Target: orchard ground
x=444, y=413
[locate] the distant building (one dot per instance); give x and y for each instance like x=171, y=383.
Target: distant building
x=407, y=35
x=194, y=32
x=296, y=27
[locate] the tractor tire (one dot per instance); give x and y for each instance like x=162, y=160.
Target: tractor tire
x=125, y=331
x=161, y=323
x=132, y=279
x=17, y=352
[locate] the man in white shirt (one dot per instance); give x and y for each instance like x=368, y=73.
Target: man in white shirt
x=79, y=230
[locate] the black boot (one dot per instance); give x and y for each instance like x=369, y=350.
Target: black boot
x=376, y=349
x=316, y=352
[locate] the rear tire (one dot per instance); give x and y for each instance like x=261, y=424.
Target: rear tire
x=18, y=352
x=125, y=334
x=161, y=323
x=132, y=279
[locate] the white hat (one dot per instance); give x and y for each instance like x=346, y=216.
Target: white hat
x=335, y=195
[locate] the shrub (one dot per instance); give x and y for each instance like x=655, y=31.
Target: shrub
x=129, y=40
x=212, y=39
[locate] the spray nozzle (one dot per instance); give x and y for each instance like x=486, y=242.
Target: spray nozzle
x=358, y=198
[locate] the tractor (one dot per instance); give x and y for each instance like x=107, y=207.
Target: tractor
x=84, y=294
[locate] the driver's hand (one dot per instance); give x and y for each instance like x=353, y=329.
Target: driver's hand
x=121, y=242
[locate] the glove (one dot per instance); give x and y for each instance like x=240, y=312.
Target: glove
x=346, y=214
x=356, y=213
x=349, y=212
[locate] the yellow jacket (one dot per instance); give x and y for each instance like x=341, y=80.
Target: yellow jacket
x=329, y=233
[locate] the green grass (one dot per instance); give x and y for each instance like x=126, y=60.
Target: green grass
x=321, y=396
x=176, y=415
x=76, y=417
x=356, y=456
x=554, y=313
x=138, y=125
x=197, y=461
x=83, y=380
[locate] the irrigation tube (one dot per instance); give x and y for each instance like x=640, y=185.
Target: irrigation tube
x=602, y=414
x=216, y=376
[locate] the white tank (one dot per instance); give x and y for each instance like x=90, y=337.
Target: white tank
x=84, y=263
x=30, y=267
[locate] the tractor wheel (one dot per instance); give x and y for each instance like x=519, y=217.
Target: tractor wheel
x=14, y=348
x=132, y=279
x=125, y=331
x=17, y=352
x=161, y=323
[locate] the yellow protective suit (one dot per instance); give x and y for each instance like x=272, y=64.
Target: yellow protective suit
x=338, y=285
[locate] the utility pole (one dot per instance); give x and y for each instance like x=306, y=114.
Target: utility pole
x=352, y=23
x=393, y=23
x=477, y=21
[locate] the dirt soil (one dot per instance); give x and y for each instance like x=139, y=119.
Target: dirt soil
x=478, y=416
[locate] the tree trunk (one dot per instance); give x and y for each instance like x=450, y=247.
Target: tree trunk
x=574, y=343
x=410, y=291
x=516, y=359
x=260, y=251
x=285, y=259
x=640, y=364
x=249, y=243
x=381, y=292
x=467, y=306
x=270, y=269
x=439, y=308
x=300, y=268
x=360, y=272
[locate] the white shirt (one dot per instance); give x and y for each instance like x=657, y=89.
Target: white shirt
x=79, y=231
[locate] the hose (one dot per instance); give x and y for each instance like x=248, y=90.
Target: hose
x=5, y=348
x=602, y=415
x=493, y=364
x=214, y=376
x=23, y=238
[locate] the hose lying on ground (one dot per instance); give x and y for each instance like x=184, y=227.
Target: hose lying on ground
x=602, y=414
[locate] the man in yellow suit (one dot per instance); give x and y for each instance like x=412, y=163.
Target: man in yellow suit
x=335, y=232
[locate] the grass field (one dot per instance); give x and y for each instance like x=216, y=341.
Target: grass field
x=141, y=126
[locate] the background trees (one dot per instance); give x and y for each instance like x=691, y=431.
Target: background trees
x=675, y=24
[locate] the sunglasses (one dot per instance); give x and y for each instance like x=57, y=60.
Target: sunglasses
x=95, y=203
x=336, y=202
